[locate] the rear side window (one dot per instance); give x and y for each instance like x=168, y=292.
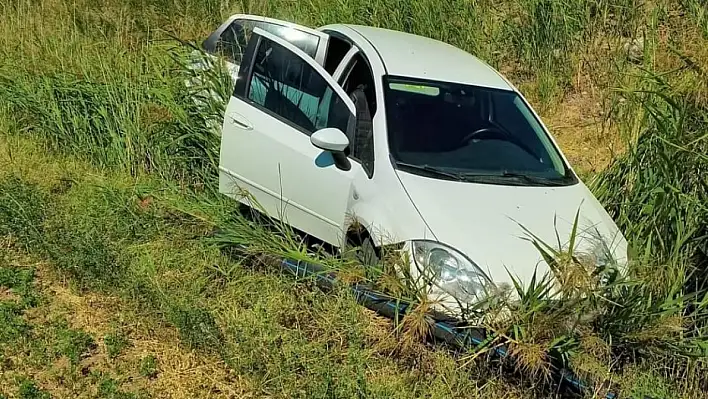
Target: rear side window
x=290, y=89
x=231, y=42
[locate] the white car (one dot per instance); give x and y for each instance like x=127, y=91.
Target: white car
x=369, y=137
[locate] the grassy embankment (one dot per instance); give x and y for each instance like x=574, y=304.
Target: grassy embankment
x=112, y=288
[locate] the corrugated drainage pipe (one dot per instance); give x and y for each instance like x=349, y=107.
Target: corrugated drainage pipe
x=443, y=328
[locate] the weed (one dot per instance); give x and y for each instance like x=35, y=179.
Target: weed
x=22, y=211
x=86, y=256
x=657, y=190
x=115, y=343
x=197, y=327
x=29, y=390
x=74, y=344
x=20, y=281
x=148, y=366
x=12, y=326
x=15, y=278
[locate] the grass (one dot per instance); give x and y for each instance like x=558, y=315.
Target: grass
x=249, y=332
x=28, y=390
x=115, y=342
x=113, y=285
x=148, y=366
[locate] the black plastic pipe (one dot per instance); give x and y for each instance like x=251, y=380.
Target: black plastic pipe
x=443, y=328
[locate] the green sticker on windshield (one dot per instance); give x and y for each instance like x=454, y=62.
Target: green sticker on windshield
x=420, y=89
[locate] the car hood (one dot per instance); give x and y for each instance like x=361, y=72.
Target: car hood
x=487, y=222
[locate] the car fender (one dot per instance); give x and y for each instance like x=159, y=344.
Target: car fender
x=371, y=218
x=386, y=223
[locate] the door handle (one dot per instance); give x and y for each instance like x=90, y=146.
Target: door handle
x=240, y=121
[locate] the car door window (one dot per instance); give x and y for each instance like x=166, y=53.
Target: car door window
x=358, y=83
x=231, y=39
x=283, y=84
x=337, y=49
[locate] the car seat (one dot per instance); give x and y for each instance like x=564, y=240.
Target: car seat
x=360, y=128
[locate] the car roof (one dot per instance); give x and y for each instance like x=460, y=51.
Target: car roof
x=409, y=55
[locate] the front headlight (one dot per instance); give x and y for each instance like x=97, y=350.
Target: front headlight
x=450, y=270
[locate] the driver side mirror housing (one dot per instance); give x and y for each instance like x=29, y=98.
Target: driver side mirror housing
x=330, y=139
x=333, y=140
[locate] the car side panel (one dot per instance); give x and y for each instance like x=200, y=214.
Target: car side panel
x=284, y=175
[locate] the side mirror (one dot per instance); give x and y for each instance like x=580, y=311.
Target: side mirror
x=334, y=142
x=330, y=139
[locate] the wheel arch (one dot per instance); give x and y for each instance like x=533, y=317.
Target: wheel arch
x=367, y=222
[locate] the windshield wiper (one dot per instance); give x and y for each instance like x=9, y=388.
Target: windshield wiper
x=431, y=170
x=494, y=178
x=544, y=181
x=517, y=179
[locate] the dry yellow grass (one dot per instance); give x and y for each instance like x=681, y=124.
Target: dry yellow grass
x=578, y=127
x=182, y=373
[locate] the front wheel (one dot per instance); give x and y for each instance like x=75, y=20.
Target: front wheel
x=367, y=255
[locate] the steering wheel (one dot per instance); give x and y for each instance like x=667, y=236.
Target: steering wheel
x=488, y=133
x=495, y=133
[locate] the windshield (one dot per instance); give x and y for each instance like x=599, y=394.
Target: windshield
x=451, y=130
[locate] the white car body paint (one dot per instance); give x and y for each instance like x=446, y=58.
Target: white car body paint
x=410, y=55
x=330, y=139
x=277, y=165
x=484, y=221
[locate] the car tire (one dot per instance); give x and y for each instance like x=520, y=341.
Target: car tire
x=367, y=254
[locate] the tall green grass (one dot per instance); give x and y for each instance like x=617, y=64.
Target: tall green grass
x=658, y=190
x=104, y=82
x=148, y=243
x=138, y=118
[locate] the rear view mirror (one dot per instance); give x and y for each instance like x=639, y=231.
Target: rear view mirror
x=330, y=139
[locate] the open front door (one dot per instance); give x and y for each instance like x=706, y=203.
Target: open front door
x=283, y=96
x=231, y=38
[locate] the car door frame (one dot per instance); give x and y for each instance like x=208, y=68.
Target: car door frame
x=245, y=80
x=328, y=222
x=209, y=44
x=344, y=63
